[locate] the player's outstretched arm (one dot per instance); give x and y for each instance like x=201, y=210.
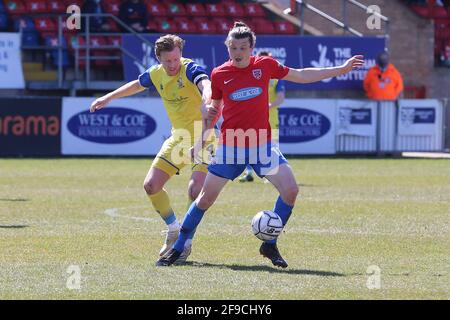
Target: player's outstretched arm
x=126, y=90
x=205, y=88
x=309, y=75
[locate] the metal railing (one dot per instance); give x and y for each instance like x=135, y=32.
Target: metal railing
x=303, y=6
x=88, y=47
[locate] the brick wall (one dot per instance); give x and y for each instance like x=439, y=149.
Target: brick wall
x=411, y=43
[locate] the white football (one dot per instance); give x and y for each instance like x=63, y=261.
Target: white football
x=267, y=225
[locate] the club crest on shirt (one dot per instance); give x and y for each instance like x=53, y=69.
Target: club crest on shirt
x=180, y=83
x=257, y=73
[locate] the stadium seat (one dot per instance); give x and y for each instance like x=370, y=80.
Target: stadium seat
x=112, y=7
x=2, y=7
x=420, y=10
x=52, y=41
x=176, y=9
x=223, y=25
x=438, y=12
x=98, y=42
x=36, y=6
x=54, y=6
x=23, y=23
x=215, y=10
x=75, y=2
x=195, y=10
x=254, y=10
x=30, y=38
x=206, y=26
x=45, y=25
x=284, y=27
x=3, y=21
x=157, y=9
x=440, y=28
x=15, y=7
x=164, y=25
x=234, y=10
x=264, y=26
x=186, y=26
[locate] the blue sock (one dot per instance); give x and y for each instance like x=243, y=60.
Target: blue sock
x=170, y=218
x=249, y=169
x=190, y=223
x=284, y=211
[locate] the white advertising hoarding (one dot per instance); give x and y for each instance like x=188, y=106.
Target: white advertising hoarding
x=11, y=73
x=128, y=126
x=307, y=126
x=356, y=117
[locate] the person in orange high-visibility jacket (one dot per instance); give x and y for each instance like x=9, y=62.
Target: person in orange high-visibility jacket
x=383, y=81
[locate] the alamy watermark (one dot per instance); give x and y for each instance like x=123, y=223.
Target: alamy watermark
x=73, y=22
x=74, y=280
x=374, y=279
x=373, y=22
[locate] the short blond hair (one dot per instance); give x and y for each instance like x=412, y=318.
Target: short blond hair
x=168, y=43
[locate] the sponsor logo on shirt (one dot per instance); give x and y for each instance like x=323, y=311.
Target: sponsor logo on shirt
x=246, y=94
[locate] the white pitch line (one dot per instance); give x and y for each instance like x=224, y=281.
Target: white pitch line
x=114, y=213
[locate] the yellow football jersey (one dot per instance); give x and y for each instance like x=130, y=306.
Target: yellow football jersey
x=275, y=86
x=180, y=94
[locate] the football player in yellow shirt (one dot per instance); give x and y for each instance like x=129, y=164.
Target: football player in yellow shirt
x=277, y=91
x=184, y=88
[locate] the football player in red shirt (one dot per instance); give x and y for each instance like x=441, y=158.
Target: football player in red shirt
x=240, y=93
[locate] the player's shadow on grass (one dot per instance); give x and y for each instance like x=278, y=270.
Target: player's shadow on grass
x=13, y=227
x=14, y=200
x=237, y=267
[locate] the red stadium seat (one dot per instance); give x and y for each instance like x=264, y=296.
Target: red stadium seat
x=206, y=26
x=15, y=7
x=264, y=26
x=195, y=10
x=223, y=25
x=98, y=42
x=74, y=2
x=157, y=9
x=176, y=9
x=186, y=26
x=215, y=10
x=45, y=25
x=254, y=10
x=54, y=6
x=421, y=10
x=234, y=10
x=166, y=26
x=284, y=27
x=112, y=7
x=438, y=12
x=440, y=28
x=36, y=6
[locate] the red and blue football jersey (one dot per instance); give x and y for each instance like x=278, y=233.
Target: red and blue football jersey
x=245, y=96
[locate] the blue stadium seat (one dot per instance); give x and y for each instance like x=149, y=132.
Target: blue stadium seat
x=26, y=23
x=30, y=38
x=3, y=21
x=52, y=41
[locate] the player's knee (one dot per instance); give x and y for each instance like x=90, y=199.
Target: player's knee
x=151, y=187
x=194, y=189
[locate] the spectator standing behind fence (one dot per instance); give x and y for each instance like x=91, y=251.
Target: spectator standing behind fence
x=383, y=81
x=134, y=14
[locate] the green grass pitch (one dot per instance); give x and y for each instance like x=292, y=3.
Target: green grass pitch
x=351, y=214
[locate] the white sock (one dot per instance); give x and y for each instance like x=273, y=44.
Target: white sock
x=174, y=226
x=188, y=243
